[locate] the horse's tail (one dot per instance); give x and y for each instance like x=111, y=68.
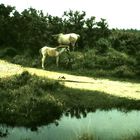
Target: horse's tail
x=56, y=35
x=40, y=51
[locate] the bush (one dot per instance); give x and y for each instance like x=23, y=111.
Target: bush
x=22, y=60
x=138, y=58
x=110, y=60
x=72, y=61
x=123, y=71
x=89, y=59
x=10, y=52
x=28, y=99
x=116, y=59
x=27, y=60
x=102, y=45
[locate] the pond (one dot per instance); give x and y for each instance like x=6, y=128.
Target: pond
x=102, y=125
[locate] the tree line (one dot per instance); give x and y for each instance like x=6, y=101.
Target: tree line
x=33, y=29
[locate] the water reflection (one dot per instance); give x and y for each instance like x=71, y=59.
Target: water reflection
x=3, y=131
x=104, y=125
x=79, y=112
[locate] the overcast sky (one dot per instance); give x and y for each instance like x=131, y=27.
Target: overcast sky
x=118, y=13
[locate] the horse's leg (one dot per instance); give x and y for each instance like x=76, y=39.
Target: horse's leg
x=57, y=60
x=72, y=42
x=73, y=46
x=43, y=61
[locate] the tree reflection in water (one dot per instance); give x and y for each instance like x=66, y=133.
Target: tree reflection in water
x=38, y=118
x=106, y=124
x=78, y=112
x=3, y=131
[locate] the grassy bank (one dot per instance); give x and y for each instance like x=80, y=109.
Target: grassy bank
x=30, y=100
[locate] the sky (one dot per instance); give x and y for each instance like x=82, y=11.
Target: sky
x=121, y=14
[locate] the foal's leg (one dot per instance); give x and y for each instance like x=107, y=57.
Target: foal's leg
x=57, y=60
x=43, y=61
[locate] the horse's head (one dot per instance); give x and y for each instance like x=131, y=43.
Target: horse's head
x=78, y=36
x=66, y=47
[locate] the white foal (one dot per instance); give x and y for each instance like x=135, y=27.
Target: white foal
x=53, y=52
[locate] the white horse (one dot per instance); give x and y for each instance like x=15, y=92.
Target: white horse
x=67, y=39
x=53, y=52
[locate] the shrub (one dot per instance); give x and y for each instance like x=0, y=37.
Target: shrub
x=116, y=59
x=138, y=58
x=25, y=60
x=123, y=71
x=102, y=45
x=8, y=51
x=73, y=60
x=20, y=59
x=89, y=59
x=29, y=98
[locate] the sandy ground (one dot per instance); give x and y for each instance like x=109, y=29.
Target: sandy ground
x=116, y=88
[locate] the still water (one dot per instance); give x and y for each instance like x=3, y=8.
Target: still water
x=103, y=125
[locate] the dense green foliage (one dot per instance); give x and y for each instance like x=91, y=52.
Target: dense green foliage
x=100, y=50
x=31, y=29
x=30, y=100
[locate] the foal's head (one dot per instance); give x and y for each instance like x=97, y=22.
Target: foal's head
x=67, y=48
